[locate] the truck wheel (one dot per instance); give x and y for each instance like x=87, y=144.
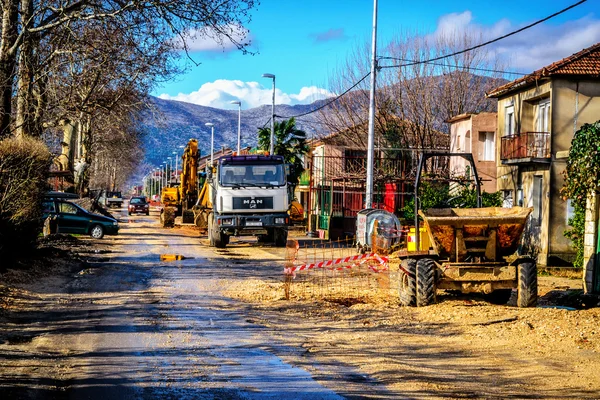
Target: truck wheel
x=221, y=239
x=527, y=290
x=425, y=282
x=280, y=237
x=211, y=233
x=406, y=282
x=499, y=296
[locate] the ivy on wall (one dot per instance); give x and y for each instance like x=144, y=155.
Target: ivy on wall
x=581, y=179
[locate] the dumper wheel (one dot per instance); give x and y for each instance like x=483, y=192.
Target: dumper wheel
x=527, y=290
x=406, y=282
x=425, y=282
x=499, y=296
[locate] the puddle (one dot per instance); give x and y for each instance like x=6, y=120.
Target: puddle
x=173, y=257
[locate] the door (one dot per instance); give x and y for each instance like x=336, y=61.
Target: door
x=71, y=219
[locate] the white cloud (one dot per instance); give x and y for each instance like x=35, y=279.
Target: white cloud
x=211, y=41
x=531, y=49
x=220, y=93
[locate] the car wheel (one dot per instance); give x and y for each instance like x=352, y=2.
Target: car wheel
x=97, y=232
x=147, y=212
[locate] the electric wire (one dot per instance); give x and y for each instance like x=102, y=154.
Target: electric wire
x=491, y=41
x=336, y=98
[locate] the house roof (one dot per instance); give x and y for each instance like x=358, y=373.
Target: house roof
x=584, y=63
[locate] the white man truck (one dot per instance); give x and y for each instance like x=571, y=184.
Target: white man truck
x=247, y=195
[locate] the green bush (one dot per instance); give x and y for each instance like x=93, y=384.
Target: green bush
x=436, y=195
x=24, y=166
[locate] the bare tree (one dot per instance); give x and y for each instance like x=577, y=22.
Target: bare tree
x=27, y=25
x=414, y=95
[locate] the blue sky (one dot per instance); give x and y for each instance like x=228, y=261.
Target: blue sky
x=303, y=42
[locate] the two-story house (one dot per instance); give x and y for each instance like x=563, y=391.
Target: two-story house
x=474, y=133
x=538, y=115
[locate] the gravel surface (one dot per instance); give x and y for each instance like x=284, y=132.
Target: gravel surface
x=461, y=347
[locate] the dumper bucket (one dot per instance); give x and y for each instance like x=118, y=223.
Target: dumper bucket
x=490, y=232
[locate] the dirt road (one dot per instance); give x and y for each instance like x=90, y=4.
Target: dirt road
x=125, y=324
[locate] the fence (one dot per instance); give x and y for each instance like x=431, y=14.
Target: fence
x=335, y=271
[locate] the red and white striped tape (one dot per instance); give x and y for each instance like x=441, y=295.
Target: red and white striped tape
x=361, y=258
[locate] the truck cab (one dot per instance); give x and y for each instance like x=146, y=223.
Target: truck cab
x=249, y=196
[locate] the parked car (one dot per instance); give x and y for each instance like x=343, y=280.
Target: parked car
x=138, y=204
x=67, y=217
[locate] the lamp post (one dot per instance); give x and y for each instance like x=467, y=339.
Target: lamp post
x=169, y=170
x=175, y=157
x=272, y=141
x=165, y=174
x=239, y=103
x=212, y=140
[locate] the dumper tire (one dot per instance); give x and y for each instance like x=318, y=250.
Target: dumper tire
x=528, y=285
x=280, y=236
x=407, y=282
x=425, y=282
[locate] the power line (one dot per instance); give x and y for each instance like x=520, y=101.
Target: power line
x=331, y=100
x=493, y=40
x=442, y=57
x=454, y=66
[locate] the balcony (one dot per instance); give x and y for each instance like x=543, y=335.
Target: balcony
x=526, y=147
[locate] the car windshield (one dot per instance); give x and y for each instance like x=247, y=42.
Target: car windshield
x=137, y=200
x=252, y=175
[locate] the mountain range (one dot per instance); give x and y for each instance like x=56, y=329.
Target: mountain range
x=171, y=124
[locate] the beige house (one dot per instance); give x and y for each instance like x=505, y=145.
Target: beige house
x=476, y=134
x=538, y=115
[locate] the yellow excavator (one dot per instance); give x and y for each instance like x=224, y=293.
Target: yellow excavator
x=179, y=200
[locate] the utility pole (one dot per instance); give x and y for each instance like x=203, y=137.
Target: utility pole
x=370, y=145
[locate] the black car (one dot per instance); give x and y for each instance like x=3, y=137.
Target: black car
x=138, y=204
x=68, y=217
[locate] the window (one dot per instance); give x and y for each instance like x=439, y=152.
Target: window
x=467, y=146
x=486, y=143
x=48, y=207
x=537, y=200
x=509, y=121
x=543, y=115
x=507, y=198
x=66, y=208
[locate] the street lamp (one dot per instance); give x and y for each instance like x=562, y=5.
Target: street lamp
x=272, y=142
x=169, y=170
x=212, y=140
x=165, y=174
x=175, y=157
x=239, y=103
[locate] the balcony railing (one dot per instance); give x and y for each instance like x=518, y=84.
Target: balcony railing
x=526, y=145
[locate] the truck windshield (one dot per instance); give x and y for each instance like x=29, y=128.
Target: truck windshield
x=252, y=175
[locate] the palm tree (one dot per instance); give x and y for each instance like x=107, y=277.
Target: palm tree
x=290, y=143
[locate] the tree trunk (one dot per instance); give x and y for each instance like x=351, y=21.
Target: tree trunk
x=24, y=117
x=10, y=18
